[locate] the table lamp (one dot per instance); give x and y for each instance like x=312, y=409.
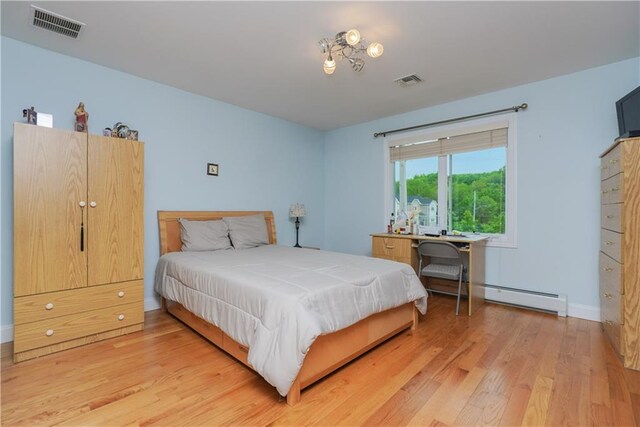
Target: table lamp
x=297, y=211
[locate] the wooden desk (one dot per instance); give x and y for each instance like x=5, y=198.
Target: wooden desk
x=403, y=248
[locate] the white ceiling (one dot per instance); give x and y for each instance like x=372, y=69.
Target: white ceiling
x=263, y=55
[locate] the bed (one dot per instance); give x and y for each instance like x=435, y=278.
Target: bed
x=245, y=300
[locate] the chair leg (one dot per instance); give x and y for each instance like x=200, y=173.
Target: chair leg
x=459, y=291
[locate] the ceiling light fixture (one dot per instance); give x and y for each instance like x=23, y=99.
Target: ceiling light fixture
x=348, y=45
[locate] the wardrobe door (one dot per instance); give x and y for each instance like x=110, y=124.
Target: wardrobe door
x=49, y=181
x=115, y=213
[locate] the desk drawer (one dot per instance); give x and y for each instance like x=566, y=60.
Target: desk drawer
x=612, y=217
x=612, y=189
x=610, y=164
x=55, y=304
x=611, y=244
x=391, y=248
x=52, y=331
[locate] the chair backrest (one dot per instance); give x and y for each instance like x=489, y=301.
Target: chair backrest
x=440, y=250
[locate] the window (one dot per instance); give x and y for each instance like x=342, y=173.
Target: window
x=459, y=178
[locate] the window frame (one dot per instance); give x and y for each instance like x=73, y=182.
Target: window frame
x=507, y=240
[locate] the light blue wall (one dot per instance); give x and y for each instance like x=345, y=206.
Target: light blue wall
x=570, y=121
x=265, y=163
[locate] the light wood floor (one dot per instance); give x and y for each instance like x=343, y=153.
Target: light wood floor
x=503, y=366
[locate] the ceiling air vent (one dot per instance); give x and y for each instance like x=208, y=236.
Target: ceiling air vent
x=408, y=81
x=57, y=23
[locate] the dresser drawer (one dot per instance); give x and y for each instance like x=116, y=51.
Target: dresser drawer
x=610, y=164
x=611, y=244
x=52, y=331
x=391, y=248
x=610, y=274
x=54, y=304
x=611, y=217
x=613, y=331
x=612, y=189
x=612, y=313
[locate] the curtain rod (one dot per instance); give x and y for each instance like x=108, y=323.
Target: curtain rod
x=515, y=108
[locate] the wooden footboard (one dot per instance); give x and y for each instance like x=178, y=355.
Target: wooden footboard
x=328, y=353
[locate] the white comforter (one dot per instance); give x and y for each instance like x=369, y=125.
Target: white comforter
x=277, y=300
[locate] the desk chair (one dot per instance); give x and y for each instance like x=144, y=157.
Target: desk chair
x=445, y=262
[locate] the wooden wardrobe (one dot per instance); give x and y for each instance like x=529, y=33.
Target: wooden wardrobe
x=77, y=239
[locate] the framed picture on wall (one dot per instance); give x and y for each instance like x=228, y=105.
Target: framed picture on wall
x=212, y=169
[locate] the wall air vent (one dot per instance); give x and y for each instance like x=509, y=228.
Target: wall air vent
x=408, y=81
x=57, y=23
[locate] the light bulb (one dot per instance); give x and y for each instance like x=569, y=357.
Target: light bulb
x=375, y=49
x=352, y=37
x=329, y=65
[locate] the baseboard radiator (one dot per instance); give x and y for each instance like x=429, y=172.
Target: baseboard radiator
x=552, y=303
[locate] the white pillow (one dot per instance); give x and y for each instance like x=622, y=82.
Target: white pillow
x=247, y=231
x=204, y=235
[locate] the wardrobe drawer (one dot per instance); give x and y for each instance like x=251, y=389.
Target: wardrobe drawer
x=610, y=274
x=610, y=164
x=391, y=248
x=611, y=244
x=54, y=304
x=611, y=217
x=611, y=189
x=52, y=331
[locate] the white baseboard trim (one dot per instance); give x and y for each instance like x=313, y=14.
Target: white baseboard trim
x=6, y=331
x=587, y=312
x=151, y=303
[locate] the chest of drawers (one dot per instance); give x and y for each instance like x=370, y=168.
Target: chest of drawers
x=619, y=260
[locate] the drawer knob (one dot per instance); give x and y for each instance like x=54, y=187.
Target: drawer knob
x=389, y=247
x=49, y=332
x=608, y=243
x=608, y=322
x=607, y=295
x=607, y=269
x=610, y=216
x=49, y=306
x=615, y=189
x=120, y=316
x=605, y=191
x=604, y=167
x=613, y=161
x=93, y=204
x=120, y=294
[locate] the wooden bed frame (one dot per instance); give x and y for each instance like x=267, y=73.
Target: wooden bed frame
x=328, y=353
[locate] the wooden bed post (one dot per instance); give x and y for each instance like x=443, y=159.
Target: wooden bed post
x=293, y=397
x=414, y=326
x=163, y=303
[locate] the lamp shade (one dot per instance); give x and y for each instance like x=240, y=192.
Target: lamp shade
x=297, y=211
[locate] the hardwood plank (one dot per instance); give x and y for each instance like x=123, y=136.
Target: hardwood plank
x=536, y=412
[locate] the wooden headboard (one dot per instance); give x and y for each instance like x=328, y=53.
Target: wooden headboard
x=170, y=227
